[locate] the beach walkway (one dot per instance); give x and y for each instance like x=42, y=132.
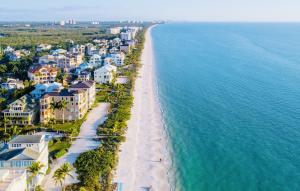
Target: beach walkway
x=88, y=129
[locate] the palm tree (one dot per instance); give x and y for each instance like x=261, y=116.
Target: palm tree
x=53, y=107
x=58, y=177
x=34, y=170
x=15, y=130
x=61, y=173
x=62, y=106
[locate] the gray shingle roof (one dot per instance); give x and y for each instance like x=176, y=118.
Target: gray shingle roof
x=85, y=84
x=10, y=154
x=19, y=154
x=27, y=139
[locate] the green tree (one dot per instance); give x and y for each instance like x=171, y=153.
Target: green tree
x=62, y=105
x=88, y=169
x=53, y=107
x=14, y=131
x=61, y=173
x=34, y=170
x=39, y=188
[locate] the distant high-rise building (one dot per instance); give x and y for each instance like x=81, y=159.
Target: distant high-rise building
x=62, y=22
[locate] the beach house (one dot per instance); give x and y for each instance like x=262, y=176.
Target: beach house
x=75, y=108
x=12, y=180
x=21, y=112
x=89, y=87
x=116, y=59
x=105, y=74
x=21, y=152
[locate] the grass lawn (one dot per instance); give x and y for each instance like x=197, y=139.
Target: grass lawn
x=57, y=146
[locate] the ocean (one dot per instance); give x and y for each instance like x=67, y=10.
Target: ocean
x=230, y=96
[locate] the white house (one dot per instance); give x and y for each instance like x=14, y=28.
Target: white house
x=12, y=83
x=43, y=47
x=22, y=151
x=8, y=49
x=105, y=74
x=84, y=76
x=95, y=61
x=116, y=59
x=58, y=52
x=12, y=180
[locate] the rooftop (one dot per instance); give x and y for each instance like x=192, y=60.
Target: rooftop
x=85, y=84
x=19, y=154
x=27, y=139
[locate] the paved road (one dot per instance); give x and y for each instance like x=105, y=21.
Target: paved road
x=87, y=129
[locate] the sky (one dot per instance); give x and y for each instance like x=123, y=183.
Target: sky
x=176, y=10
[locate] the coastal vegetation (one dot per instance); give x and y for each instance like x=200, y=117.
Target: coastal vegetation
x=34, y=170
x=95, y=168
x=61, y=174
x=28, y=37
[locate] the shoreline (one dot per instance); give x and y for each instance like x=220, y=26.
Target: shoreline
x=144, y=160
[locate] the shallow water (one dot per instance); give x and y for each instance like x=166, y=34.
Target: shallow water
x=231, y=100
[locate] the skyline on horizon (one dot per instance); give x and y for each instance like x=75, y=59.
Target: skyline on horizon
x=174, y=10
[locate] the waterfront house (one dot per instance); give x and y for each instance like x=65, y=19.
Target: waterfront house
x=22, y=151
x=76, y=105
x=21, y=112
x=105, y=74
x=116, y=59
x=89, y=87
x=13, y=180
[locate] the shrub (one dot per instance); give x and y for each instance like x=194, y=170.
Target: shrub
x=60, y=153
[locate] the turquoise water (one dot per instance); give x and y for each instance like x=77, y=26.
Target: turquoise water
x=231, y=100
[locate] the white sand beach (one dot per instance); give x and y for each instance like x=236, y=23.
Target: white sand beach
x=143, y=159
